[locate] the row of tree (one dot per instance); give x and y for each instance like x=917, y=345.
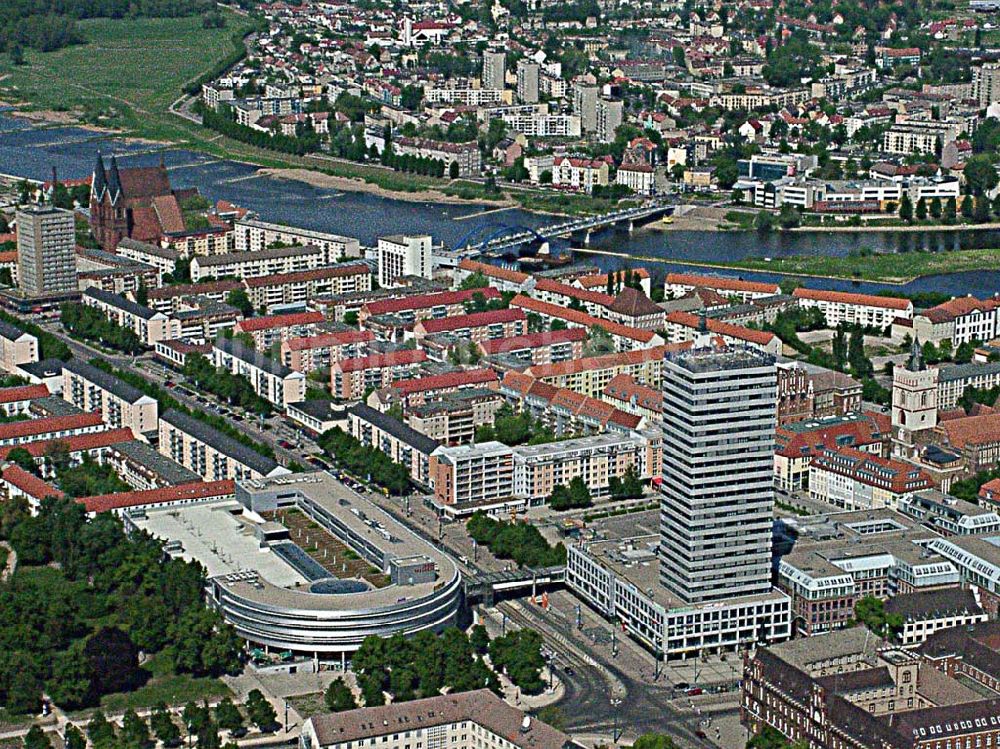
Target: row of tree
x=226, y=124
x=76, y=630
x=168, y=403
x=90, y=323
x=521, y=542
x=362, y=460
x=515, y=428
x=236, y=390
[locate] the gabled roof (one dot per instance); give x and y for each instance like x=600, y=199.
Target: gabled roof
x=404, y=433
x=633, y=303
x=847, y=297
x=269, y=322
x=48, y=425
x=399, y=358
x=163, y=495
x=476, y=320
x=425, y=301
x=466, y=378
x=23, y=393
x=30, y=484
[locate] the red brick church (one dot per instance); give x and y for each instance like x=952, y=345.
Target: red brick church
x=137, y=202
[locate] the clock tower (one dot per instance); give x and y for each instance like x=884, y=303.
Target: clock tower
x=914, y=403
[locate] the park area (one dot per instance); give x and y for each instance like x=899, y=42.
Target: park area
x=125, y=76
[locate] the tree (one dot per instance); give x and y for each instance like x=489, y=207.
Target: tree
x=22, y=458
x=936, y=207
x=654, y=741
x=135, y=732
x=870, y=611
x=981, y=210
x=74, y=738
x=70, y=684
x=545, y=177
x=921, y=211
x=519, y=654
x=16, y=52
x=906, y=208
x=980, y=175
x=479, y=639
x=789, y=216
x=840, y=347
x=239, y=299
x=100, y=732
x=453, y=170
x=228, y=716
x=164, y=727
x=967, y=206
x=339, y=697
x=763, y=222
x=950, y=211
x=260, y=711
x=142, y=295
x=36, y=739
x=112, y=654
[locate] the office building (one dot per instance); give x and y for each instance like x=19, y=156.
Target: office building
x=403, y=255
x=986, y=84
x=718, y=497
x=16, y=347
x=527, y=81
x=46, y=258
x=494, y=70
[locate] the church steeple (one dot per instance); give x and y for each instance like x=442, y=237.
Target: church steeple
x=916, y=360
x=114, y=181
x=99, y=183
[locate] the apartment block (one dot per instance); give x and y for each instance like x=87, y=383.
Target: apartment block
x=453, y=418
x=273, y=262
x=350, y=378
x=254, y=235
x=623, y=337
x=118, y=403
x=164, y=259
x=591, y=375
x=402, y=255
x=413, y=308
x=418, y=390
x=209, y=453
x=537, y=348
x=477, y=327
x=49, y=428
x=272, y=381
x=276, y=329
x=854, y=309
x=16, y=347
x=17, y=399
x=149, y=325
x=400, y=442
x=308, y=353
x=679, y=284
x=482, y=473
x=857, y=480
x=303, y=286
x=46, y=257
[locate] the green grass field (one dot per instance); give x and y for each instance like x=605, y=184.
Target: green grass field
x=888, y=268
x=127, y=74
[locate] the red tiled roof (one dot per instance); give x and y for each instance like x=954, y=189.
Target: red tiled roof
x=719, y=282
x=424, y=301
x=581, y=318
x=688, y=320
x=990, y=491
x=600, y=280
x=163, y=495
x=190, y=289
x=445, y=381
x=476, y=320
x=48, y=425
x=340, y=338
x=972, y=430
x=29, y=483
x=554, y=287
x=492, y=271
x=381, y=361
x=23, y=393
x=799, y=442
x=958, y=307
x=270, y=322
x=76, y=443
x=873, y=470
x=302, y=276
x=847, y=297
x=622, y=387
x=532, y=340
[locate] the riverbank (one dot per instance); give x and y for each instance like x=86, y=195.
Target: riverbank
x=355, y=184
x=873, y=227
x=896, y=269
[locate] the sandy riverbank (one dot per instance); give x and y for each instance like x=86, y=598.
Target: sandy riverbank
x=348, y=184
x=911, y=228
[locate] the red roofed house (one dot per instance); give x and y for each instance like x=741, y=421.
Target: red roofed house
x=415, y=392
x=18, y=483
x=539, y=348
x=50, y=428
x=15, y=400
x=266, y=331
x=599, y=281
x=592, y=374
x=578, y=173
x=350, y=378
x=624, y=337
x=684, y=326
x=625, y=393
x=168, y=496
x=477, y=327
x=847, y=307
x=958, y=320
x=856, y=480
x=309, y=353
x=977, y=438
x=424, y=306
x=94, y=444
x=633, y=308
x=502, y=279
x=678, y=284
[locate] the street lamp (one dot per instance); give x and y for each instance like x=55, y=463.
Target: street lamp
x=615, y=732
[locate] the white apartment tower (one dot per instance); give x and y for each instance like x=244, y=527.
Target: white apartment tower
x=610, y=115
x=494, y=70
x=403, y=255
x=585, y=105
x=527, y=81
x=46, y=255
x=914, y=403
x=986, y=84
x=718, y=463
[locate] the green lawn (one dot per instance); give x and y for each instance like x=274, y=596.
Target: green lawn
x=127, y=75
x=887, y=268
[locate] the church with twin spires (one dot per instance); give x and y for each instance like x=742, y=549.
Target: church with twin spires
x=137, y=202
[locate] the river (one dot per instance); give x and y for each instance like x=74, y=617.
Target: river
x=29, y=151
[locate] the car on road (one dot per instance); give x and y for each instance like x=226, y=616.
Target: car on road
x=682, y=686
x=285, y=444
x=700, y=734
x=318, y=463
x=694, y=691
x=568, y=671
x=170, y=384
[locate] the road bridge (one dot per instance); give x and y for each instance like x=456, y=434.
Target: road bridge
x=486, y=586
